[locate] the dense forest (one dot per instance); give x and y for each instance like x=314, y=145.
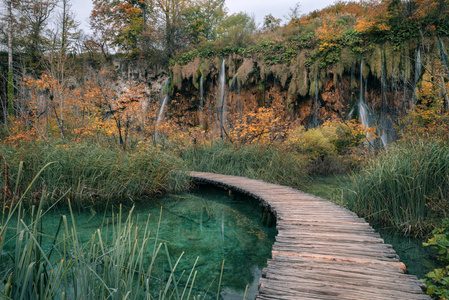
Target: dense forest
x=157, y=87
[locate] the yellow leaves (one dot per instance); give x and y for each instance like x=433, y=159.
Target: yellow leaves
x=375, y=18
x=331, y=29
x=314, y=142
x=430, y=116
x=261, y=126
x=45, y=82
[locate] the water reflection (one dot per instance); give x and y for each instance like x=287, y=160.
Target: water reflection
x=418, y=259
x=208, y=224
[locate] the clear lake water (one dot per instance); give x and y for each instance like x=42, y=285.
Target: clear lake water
x=208, y=224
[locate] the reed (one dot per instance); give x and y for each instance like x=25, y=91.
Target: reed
x=268, y=163
x=406, y=186
x=93, y=173
x=117, y=262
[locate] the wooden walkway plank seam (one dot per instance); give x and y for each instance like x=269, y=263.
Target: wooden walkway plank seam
x=322, y=250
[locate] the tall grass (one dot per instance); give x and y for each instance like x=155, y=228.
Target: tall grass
x=268, y=163
x=407, y=186
x=94, y=172
x=116, y=263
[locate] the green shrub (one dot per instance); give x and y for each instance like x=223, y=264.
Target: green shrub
x=327, y=148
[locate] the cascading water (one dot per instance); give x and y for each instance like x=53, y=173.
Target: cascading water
x=201, y=103
x=165, y=94
x=221, y=104
x=315, y=114
x=367, y=117
x=418, y=70
x=363, y=107
x=443, y=53
x=418, y=64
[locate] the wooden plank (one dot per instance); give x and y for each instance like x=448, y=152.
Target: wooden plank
x=322, y=251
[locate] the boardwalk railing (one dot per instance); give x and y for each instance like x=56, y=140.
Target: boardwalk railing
x=322, y=251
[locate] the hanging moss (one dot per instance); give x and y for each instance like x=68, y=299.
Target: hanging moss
x=283, y=74
x=347, y=59
x=366, y=69
x=265, y=70
x=245, y=71
x=177, y=75
x=391, y=63
x=230, y=65
x=217, y=63
x=278, y=71
x=404, y=65
x=206, y=67
x=290, y=103
x=300, y=72
x=375, y=62
x=190, y=69
x=334, y=73
x=315, y=81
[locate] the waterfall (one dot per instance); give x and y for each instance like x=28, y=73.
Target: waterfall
x=201, y=104
x=418, y=64
x=363, y=106
x=164, y=90
x=418, y=70
x=221, y=105
x=315, y=114
x=443, y=53
x=366, y=115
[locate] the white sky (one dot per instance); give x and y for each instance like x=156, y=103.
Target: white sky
x=260, y=8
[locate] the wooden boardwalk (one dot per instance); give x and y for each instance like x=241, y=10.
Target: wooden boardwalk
x=322, y=251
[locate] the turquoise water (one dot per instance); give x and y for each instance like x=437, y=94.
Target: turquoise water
x=418, y=259
x=208, y=224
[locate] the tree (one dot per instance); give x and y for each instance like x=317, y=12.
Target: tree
x=293, y=15
x=69, y=32
x=169, y=19
x=203, y=19
x=118, y=24
x=63, y=39
x=271, y=23
x=375, y=19
x=10, y=67
x=33, y=17
x=237, y=29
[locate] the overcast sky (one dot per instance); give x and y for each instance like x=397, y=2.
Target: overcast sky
x=260, y=8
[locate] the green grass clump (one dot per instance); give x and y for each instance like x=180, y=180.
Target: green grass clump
x=118, y=262
x=406, y=186
x=92, y=173
x=263, y=162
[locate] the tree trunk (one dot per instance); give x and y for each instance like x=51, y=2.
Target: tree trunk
x=10, y=67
